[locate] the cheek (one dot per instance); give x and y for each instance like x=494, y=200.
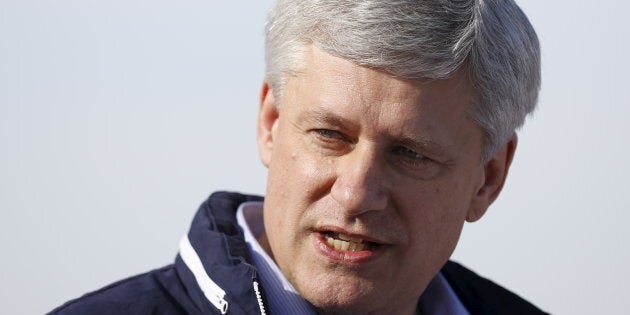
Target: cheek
x=293, y=159
x=307, y=175
x=433, y=241
x=296, y=179
x=436, y=217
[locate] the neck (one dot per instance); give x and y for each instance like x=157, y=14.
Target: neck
x=264, y=243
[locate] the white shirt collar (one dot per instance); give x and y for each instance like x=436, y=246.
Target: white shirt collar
x=282, y=298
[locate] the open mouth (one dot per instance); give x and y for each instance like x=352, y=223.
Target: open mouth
x=344, y=242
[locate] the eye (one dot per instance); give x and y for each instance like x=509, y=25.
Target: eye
x=330, y=135
x=414, y=163
x=410, y=154
x=328, y=141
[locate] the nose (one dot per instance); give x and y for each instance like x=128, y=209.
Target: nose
x=361, y=183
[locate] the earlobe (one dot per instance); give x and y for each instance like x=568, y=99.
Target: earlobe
x=494, y=175
x=267, y=121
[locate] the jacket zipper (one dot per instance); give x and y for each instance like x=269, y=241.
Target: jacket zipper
x=210, y=289
x=261, y=305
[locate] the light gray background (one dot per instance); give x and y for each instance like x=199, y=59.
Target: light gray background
x=117, y=118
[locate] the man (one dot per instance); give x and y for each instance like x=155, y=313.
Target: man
x=385, y=125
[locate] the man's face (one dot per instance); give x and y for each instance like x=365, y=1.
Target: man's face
x=370, y=181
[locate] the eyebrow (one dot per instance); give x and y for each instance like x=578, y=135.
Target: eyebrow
x=322, y=117
x=414, y=142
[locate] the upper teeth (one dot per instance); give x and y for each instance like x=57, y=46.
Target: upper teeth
x=345, y=243
x=345, y=237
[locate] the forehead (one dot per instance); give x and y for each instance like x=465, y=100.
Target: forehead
x=329, y=86
x=328, y=77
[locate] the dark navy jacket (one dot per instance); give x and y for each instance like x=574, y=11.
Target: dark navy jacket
x=218, y=241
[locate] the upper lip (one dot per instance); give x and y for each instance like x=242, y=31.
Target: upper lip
x=362, y=236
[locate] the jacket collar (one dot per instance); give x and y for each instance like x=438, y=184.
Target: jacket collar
x=213, y=263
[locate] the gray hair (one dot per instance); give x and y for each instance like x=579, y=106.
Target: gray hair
x=492, y=41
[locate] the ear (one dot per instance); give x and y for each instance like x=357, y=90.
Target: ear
x=494, y=174
x=267, y=123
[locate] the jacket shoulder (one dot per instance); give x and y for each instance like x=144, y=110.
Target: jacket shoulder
x=482, y=296
x=141, y=294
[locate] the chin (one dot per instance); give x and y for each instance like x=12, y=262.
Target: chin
x=334, y=294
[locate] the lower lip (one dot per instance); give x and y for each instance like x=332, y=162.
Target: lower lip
x=348, y=257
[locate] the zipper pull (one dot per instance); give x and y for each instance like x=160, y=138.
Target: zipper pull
x=210, y=289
